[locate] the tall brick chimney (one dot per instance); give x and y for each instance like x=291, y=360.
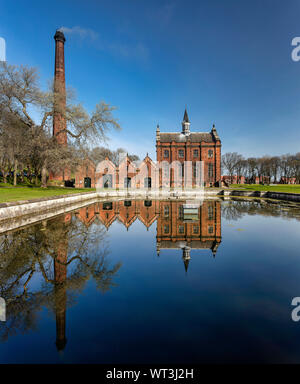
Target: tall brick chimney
x=59, y=122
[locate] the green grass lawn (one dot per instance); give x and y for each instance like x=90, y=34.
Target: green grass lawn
x=273, y=188
x=27, y=192
x=10, y=193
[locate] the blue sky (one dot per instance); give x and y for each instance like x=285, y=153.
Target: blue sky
x=228, y=61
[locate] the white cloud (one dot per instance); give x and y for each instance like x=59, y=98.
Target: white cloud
x=83, y=33
x=135, y=50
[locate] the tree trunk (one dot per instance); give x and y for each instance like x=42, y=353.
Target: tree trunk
x=15, y=172
x=44, y=177
x=4, y=176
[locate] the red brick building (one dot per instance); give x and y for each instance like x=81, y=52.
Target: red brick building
x=128, y=174
x=234, y=179
x=288, y=180
x=193, y=147
x=85, y=176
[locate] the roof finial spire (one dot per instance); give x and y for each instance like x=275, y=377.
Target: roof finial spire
x=185, y=117
x=157, y=133
x=186, y=123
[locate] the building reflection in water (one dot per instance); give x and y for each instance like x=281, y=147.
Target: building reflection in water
x=175, y=228
x=68, y=251
x=178, y=230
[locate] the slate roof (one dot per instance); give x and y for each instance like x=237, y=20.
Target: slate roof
x=194, y=244
x=194, y=137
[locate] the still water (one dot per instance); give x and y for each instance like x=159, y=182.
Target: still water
x=140, y=282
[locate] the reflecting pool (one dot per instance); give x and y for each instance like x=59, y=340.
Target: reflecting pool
x=140, y=281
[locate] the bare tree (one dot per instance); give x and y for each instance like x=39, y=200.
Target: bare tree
x=20, y=93
x=98, y=154
x=230, y=161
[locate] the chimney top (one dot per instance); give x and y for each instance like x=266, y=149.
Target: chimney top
x=59, y=36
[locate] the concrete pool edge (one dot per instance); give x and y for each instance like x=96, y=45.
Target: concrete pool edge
x=12, y=210
x=24, y=208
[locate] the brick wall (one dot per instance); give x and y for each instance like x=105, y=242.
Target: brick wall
x=203, y=155
x=86, y=169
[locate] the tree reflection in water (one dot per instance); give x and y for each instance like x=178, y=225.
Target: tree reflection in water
x=47, y=265
x=236, y=208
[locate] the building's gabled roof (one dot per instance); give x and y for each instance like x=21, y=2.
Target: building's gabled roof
x=102, y=165
x=147, y=222
x=126, y=162
x=194, y=137
x=147, y=160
